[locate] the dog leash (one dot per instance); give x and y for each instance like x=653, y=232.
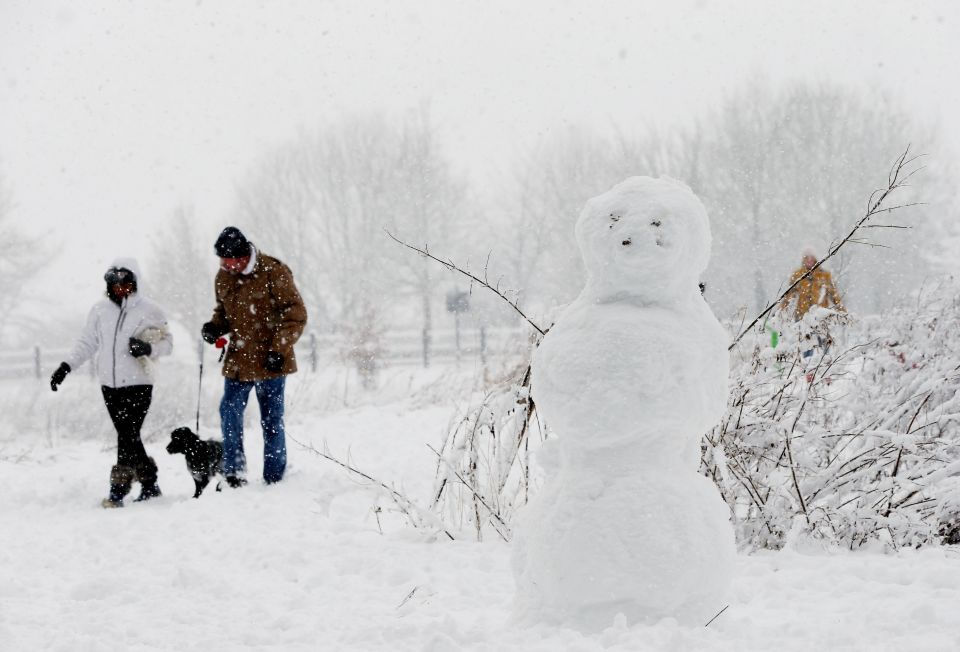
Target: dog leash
x=199, y=386
x=221, y=344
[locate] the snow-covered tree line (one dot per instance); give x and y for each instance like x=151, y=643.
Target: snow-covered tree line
x=779, y=168
x=324, y=202
x=327, y=198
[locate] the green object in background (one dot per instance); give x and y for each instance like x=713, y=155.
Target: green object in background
x=774, y=335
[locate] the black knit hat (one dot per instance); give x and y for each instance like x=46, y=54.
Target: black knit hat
x=232, y=244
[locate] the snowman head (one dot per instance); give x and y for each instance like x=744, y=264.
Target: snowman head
x=646, y=239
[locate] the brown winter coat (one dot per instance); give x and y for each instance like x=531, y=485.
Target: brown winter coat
x=817, y=289
x=262, y=311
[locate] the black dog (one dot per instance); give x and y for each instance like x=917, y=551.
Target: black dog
x=204, y=458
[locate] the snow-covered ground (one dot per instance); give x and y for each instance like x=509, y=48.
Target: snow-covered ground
x=310, y=565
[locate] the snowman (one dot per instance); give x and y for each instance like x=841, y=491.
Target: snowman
x=630, y=377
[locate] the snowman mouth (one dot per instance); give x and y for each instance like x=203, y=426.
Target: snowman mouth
x=626, y=242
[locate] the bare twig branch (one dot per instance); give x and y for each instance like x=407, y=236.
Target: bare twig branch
x=475, y=279
x=407, y=597
x=896, y=179
x=717, y=615
x=402, y=501
x=793, y=466
x=505, y=535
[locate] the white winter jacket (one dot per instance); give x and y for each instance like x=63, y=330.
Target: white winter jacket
x=106, y=339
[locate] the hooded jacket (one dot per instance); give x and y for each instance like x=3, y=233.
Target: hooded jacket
x=105, y=337
x=262, y=311
x=815, y=290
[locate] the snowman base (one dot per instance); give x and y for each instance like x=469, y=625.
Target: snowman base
x=648, y=548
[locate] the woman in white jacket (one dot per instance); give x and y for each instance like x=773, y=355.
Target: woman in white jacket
x=123, y=333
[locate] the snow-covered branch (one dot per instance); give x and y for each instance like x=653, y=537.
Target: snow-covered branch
x=897, y=178
x=484, y=282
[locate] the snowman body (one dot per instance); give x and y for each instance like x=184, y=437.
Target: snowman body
x=630, y=377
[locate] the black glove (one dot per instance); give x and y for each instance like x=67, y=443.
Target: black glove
x=274, y=363
x=210, y=332
x=59, y=375
x=139, y=348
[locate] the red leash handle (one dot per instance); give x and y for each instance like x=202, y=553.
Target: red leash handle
x=221, y=344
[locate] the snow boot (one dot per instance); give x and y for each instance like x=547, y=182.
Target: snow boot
x=236, y=482
x=147, y=475
x=147, y=492
x=121, y=477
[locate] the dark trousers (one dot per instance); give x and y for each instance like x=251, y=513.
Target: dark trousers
x=128, y=408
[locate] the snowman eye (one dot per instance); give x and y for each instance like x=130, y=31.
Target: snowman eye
x=627, y=242
x=656, y=223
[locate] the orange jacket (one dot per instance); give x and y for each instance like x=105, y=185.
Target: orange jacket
x=815, y=290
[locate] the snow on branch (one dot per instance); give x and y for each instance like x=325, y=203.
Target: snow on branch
x=483, y=464
x=845, y=433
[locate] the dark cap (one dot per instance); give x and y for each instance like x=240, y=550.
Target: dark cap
x=232, y=244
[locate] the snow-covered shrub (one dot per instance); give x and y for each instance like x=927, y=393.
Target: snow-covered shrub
x=855, y=442
x=483, y=468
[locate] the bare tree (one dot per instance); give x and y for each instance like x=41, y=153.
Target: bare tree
x=431, y=207
x=784, y=169
x=20, y=259
x=536, y=249
x=320, y=203
x=899, y=177
x=854, y=133
x=181, y=271
x=323, y=201
x=740, y=181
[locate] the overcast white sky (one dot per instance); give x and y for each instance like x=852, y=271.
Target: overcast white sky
x=113, y=112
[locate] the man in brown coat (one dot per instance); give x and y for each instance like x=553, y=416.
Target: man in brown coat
x=259, y=306
x=815, y=290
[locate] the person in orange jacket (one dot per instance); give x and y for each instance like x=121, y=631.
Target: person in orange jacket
x=815, y=290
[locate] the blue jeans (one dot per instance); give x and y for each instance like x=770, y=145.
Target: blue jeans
x=232, y=406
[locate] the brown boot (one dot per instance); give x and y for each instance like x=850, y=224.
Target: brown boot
x=121, y=477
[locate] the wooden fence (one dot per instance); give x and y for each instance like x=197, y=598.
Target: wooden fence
x=315, y=351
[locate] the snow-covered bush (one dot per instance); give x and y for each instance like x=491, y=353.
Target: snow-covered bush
x=857, y=441
x=483, y=468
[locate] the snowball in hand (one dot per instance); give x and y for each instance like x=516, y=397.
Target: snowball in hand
x=630, y=377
